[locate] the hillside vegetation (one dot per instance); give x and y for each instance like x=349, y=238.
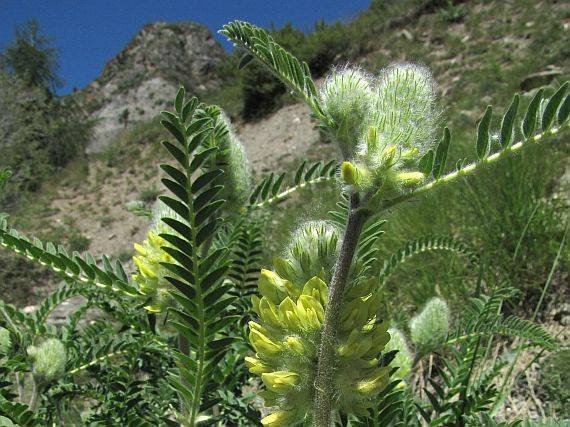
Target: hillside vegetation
x=479, y=52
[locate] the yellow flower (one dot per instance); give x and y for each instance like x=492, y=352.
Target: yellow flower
x=256, y=366
x=268, y=312
x=262, y=344
x=317, y=289
x=310, y=312
x=272, y=286
x=279, y=419
x=375, y=383
x=288, y=314
x=280, y=381
x=295, y=344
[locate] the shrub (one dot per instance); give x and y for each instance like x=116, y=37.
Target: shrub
x=78, y=242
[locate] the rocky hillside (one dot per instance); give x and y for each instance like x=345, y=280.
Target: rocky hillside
x=481, y=56
x=137, y=82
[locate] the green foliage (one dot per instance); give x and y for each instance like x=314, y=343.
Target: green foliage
x=40, y=132
x=31, y=58
x=554, y=377
x=197, y=273
x=461, y=387
x=285, y=66
x=425, y=244
x=273, y=188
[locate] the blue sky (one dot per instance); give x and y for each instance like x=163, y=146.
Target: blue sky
x=90, y=32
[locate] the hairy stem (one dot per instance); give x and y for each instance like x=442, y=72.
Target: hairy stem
x=325, y=369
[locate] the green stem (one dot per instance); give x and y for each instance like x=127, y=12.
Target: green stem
x=35, y=395
x=324, y=391
x=20, y=387
x=284, y=194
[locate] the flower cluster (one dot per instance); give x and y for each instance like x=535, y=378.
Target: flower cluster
x=150, y=278
x=291, y=313
x=382, y=126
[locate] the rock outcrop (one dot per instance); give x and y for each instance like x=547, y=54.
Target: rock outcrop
x=140, y=81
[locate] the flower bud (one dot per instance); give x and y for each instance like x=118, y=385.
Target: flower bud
x=356, y=175
x=5, y=341
x=310, y=312
x=288, y=314
x=269, y=313
x=356, y=345
x=404, y=358
x=405, y=106
x=349, y=173
x=380, y=337
x=256, y=366
x=295, y=344
x=263, y=345
x=376, y=382
x=430, y=327
x=272, y=286
x=280, y=381
x=317, y=289
x=312, y=252
x=279, y=419
x=49, y=360
x=410, y=179
x=401, y=128
x=232, y=159
x=346, y=97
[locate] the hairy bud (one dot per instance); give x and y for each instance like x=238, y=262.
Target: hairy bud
x=347, y=99
x=311, y=252
x=232, y=159
x=404, y=358
x=405, y=107
x=5, y=340
x=49, y=360
x=429, y=329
